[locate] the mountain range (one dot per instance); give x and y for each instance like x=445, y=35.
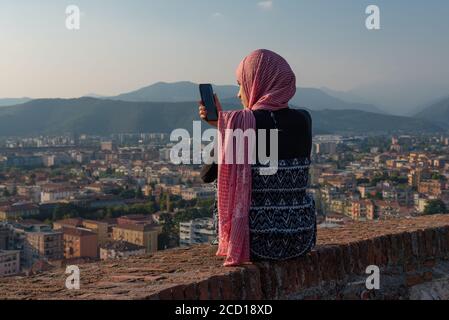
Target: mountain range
x=163, y=107
x=314, y=99
x=13, y=101
x=437, y=112
x=101, y=116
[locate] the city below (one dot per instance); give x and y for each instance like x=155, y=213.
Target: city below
x=78, y=199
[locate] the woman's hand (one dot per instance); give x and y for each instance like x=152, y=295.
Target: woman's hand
x=203, y=112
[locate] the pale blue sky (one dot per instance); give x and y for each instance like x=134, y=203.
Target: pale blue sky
x=124, y=45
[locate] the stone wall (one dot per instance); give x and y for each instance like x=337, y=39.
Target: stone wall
x=412, y=255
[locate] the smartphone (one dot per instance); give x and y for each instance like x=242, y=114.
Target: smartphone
x=207, y=96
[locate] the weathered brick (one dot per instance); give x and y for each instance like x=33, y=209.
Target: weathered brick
x=429, y=236
x=237, y=284
x=409, y=245
x=414, y=279
x=166, y=294
x=178, y=292
x=203, y=290
x=346, y=258
x=429, y=263
x=301, y=269
x=339, y=263
x=190, y=292
x=396, y=251
x=354, y=254
x=251, y=276
x=226, y=287
x=214, y=288
x=328, y=263
x=313, y=277
x=428, y=276
x=266, y=274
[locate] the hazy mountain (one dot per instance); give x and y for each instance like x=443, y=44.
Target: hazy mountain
x=173, y=92
x=93, y=95
x=13, y=101
x=353, y=98
x=314, y=99
x=402, y=97
x=100, y=116
x=437, y=112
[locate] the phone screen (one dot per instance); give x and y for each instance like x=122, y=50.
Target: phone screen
x=207, y=96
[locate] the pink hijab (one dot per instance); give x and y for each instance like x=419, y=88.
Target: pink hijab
x=269, y=83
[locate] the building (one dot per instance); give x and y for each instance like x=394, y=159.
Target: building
x=421, y=204
x=135, y=219
x=53, y=193
x=198, y=193
x=325, y=148
x=18, y=211
x=387, y=209
x=363, y=209
x=43, y=245
x=196, y=231
x=31, y=192
x=97, y=227
x=139, y=234
x=9, y=262
x=24, y=161
x=80, y=243
x=5, y=236
x=336, y=219
x=120, y=249
x=107, y=146
x=430, y=187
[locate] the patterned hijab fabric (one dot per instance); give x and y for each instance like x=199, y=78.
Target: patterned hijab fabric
x=269, y=84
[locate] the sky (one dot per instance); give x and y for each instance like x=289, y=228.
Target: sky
x=124, y=45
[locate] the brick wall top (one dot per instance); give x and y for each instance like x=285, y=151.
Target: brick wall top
x=405, y=248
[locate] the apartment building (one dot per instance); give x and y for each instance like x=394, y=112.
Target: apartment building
x=120, y=249
x=53, y=193
x=196, y=231
x=139, y=234
x=80, y=243
x=97, y=227
x=43, y=245
x=18, y=211
x=363, y=210
x=9, y=262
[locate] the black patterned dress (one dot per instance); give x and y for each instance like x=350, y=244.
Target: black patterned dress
x=282, y=215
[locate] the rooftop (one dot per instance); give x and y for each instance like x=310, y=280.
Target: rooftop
x=121, y=246
x=78, y=232
x=411, y=253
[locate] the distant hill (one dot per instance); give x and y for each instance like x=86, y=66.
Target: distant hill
x=314, y=99
x=13, y=101
x=172, y=92
x=99, y=116
x=437, y=112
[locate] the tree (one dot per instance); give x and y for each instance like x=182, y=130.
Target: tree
x=170, y=232
x=139, y=193
x=435, y=207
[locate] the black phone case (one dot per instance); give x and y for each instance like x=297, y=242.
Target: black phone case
x=206, y=89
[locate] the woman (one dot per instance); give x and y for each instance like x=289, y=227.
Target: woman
x=265, y=217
